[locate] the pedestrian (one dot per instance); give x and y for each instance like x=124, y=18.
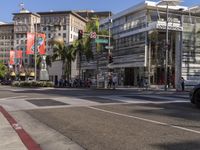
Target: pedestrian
x=110, y=81
x=182, y=84
x=56, y=82
x=114, y=81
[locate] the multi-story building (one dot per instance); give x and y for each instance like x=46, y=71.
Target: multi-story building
x=139, y=41
x=6, y=41
x=55, y=24
x=24, y=22
x=64, y=24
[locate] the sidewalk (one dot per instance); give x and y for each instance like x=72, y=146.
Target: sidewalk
x=13, y=136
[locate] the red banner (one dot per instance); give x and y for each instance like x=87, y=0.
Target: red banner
x=12, y=57
x=41, y=47
x=19, y=54
x=30, y=43
x=41, y=38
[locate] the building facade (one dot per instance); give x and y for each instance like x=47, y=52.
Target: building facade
x=139, y=45
x=63, y=24
x=6, y=42
x=24, y=22
x=55, y=24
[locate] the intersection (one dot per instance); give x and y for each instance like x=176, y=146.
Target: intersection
x=105, y=119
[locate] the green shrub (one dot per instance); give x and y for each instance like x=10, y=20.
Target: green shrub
x=33, y=84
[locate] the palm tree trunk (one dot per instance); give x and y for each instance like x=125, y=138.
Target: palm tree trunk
x=79, y=65
x=63, y=63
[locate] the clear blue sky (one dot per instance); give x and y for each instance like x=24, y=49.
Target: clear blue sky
x=7, y=7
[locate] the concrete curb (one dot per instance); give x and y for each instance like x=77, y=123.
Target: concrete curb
x=24, y=136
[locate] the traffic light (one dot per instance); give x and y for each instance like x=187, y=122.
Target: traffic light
x=80, y=34
x=110, y=58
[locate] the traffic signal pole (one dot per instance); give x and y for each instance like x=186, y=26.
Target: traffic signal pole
x=93, y=35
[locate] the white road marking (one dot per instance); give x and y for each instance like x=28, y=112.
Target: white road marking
x=146, y=120
x=14, y=97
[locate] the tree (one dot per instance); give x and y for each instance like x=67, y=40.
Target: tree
x=60, y=53
x=3, y=70
x=92, y=26
x=84, y=46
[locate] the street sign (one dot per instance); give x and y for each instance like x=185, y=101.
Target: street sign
x=109, y=47
x=93, y=35
x=101, y=40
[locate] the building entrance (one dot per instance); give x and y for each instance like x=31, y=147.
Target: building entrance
x=158, y=59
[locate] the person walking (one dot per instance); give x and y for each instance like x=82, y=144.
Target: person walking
x=114, y=81
x=110, y=81
x=182, y=84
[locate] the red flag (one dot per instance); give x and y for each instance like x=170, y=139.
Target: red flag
x=19, y=54
x=41, y=40
x=12, y=57
x=30, y=43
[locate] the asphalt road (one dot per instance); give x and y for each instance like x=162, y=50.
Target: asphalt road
x=107, y=119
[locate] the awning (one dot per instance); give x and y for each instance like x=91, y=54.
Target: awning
x=12, y=74
x=32, y=74
x=22, y=74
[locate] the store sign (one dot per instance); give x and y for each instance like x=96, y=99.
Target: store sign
x=175, y=28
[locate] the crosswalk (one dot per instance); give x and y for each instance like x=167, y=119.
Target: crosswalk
x=149, y=98
x=26, y=103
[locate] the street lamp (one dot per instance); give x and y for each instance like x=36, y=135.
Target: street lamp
x=35, y=51
x=167, y=3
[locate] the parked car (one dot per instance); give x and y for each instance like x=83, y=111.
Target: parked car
x=195, y=95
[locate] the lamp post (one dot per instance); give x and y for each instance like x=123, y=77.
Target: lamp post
x=109, y=33
x=109, y=43
x=167, y=3
x=35, y=51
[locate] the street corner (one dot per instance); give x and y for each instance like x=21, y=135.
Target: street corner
x=13, y=133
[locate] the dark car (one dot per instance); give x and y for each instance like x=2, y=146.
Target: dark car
x=195, y=95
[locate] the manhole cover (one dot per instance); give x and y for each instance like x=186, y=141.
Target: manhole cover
x=45, y=102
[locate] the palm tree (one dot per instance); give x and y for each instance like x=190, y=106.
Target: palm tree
x=71, y=56
x=60, y=52
x=92, y=26
x=84, y=46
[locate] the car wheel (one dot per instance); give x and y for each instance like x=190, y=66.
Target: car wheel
x=197, y=98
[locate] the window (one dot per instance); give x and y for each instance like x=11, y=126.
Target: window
x=64, y=35
x=64, y=27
